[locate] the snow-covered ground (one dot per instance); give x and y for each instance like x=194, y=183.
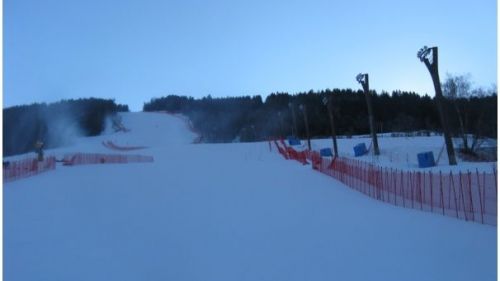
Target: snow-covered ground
x=401, y=152
x=221, y=212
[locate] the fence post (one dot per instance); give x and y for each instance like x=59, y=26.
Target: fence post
x=374, y=181
x=481, y=209
x=424, y=200
x=388, y=185
x=402, y=189
x=441, y=190
x=411, y=189
x=387, y=188
x=394, y=175
x=462, y=194
x=419, y=181
x=432, y=191
x=480, y=196
x=484, y=192
x=496, y=186
x=470, y=195
x=454, y=193
x=380, y=185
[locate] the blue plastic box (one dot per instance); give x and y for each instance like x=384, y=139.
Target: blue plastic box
x=426, y=159
x=326, y=152
x=360, y=149
x=293, y=141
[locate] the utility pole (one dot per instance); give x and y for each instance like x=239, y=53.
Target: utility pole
x=306, y=122
x=364, y=81
x=426, y=55
x=328, y=102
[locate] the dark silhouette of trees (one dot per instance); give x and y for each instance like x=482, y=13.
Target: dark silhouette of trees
x=467, y=109
x=251, y=118
x=53, y=123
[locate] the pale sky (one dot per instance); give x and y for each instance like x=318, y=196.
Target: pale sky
x=133, y=51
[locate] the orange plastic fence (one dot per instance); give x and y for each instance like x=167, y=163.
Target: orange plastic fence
x=14, y=170
x=471, y=196
x=95, y=158
x=112, y=145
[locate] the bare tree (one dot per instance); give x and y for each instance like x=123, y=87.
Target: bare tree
x=458, y=89
x=455, y=88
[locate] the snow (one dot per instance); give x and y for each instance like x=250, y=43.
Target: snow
x=221, y=212
x=401, y=152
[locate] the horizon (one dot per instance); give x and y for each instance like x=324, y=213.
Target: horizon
x=143, y=50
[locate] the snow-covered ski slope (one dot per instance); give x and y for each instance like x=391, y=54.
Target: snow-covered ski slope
x=221, y=212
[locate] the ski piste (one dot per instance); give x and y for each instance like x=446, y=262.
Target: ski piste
x=225, y=212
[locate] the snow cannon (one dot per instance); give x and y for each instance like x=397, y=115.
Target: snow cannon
x=326, y=152
x=360, y=149
x=293, y=140
x=39, y=150
x=426, y=159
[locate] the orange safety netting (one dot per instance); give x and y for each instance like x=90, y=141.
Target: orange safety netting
x=113, y=146
x=471, y=196
x=96, y=158
x=13, y=170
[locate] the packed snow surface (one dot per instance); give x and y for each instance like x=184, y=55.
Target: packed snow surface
x=221, y=212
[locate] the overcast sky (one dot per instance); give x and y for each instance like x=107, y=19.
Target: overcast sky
x=133, y=51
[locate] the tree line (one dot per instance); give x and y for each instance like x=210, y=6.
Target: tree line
x=249, y=118
x=54, y=123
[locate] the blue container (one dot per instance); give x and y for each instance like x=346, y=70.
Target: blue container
x=360, y=149
x=326, y=152
x=426, y=159
x=293, y=141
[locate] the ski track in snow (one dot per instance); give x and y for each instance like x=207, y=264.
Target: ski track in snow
x=221, y=212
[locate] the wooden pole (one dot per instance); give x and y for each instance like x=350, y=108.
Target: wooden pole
x=366, y=88
x=433, y=70
x=332, y=124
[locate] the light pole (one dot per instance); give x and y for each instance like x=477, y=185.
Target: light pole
x=294, y=129
x=429, y=56
x=306, y=122
x=328, y=102
x=364, y=81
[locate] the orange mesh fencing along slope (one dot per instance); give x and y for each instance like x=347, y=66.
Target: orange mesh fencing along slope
x=18, y=169
x=471, y=196
x=97, y=158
